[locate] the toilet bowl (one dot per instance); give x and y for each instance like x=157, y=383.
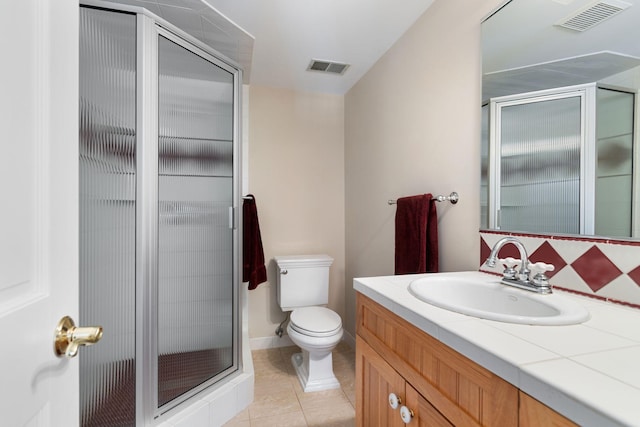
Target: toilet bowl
x=303, y=290
x=317, y=331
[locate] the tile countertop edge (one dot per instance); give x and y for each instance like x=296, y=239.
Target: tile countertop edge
x=564, y=402
x=561, y=401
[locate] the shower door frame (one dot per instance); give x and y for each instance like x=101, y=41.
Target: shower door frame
x=586, y=94
x=149, y=28
x=147, y=214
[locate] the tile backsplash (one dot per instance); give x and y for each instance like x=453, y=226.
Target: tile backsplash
x=603, y=268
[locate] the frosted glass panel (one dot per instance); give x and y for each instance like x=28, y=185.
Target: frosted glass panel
x=540, y=166
x=107, y=215
x=484, y=168
x=195, y=276
x=614, y=173
x=196, y=114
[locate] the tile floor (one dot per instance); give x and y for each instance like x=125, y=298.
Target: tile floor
x=280, y=401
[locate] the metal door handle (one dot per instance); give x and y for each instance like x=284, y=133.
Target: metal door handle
x=69, y=337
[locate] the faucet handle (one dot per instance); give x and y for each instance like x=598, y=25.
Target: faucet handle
x=510, y=262
x=510, y=267
x=537, y=270
x=540, y=267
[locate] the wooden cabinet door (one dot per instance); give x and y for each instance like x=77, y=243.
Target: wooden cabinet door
x=535, y=414
x=424, y=414
x=375, y=380
x=463, y=391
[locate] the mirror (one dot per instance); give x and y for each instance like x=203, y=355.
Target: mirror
x=538, y=51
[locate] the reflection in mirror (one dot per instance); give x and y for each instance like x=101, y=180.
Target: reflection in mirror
x=558, y=118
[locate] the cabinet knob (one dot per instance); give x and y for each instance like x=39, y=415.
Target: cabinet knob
x=406, y=414
x=394, y=401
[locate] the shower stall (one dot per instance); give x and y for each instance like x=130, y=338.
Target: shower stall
x=159, y=191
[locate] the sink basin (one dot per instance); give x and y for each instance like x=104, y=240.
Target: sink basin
x=474, y=295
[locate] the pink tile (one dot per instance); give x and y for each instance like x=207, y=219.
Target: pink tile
x=596, y=269
x=547, y=254
x=635, y=275
x=485, y=250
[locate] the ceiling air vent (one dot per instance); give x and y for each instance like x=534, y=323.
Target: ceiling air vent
x=327, y=67
x=593, y=14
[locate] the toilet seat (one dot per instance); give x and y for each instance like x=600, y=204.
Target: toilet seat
x=315, y=321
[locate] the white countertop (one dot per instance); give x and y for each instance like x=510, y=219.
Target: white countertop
x=589, y=372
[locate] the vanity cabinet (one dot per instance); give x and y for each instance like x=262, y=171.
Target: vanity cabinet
x=440, y=386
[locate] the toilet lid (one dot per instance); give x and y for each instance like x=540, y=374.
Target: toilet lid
x=315, y=321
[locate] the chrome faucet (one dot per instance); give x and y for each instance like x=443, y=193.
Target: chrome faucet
x=539, y=283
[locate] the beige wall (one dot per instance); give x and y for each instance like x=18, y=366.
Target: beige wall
x=296, y=172
x=412, y=125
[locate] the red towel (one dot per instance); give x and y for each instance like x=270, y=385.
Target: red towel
x=416, y=235
x=253, y=269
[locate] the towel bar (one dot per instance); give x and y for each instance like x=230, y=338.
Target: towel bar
x=453, y=198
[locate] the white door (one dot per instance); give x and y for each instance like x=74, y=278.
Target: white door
x=38, y=209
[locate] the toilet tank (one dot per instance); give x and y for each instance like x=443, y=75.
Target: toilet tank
x=303, y=280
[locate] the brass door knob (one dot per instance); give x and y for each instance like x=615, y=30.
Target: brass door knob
x=69, y=337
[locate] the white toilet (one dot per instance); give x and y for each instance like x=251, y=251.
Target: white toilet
x=303, y=289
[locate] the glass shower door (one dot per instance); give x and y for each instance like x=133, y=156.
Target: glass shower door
x=537, y=162
x=540, y=166
x=195, y=235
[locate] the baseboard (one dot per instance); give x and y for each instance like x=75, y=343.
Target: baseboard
x=262, y=343
x=349, y=339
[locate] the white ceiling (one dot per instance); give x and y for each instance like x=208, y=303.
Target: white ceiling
x=524, y=51
x=289, y=33
x=275, y=40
